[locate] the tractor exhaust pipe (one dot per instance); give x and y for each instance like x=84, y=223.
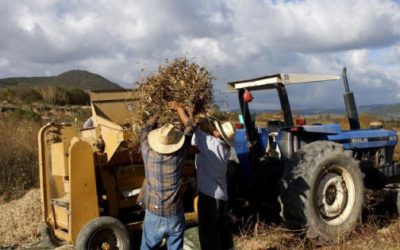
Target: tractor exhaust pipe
x=350, y=103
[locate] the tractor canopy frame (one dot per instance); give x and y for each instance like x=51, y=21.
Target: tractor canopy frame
x=278, y=82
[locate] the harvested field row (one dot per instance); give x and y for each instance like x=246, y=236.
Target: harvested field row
x=367, y=236
x=20, y=219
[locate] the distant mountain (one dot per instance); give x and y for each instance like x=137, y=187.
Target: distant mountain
x=74, y=78
x=388, y=111
x=384, y=111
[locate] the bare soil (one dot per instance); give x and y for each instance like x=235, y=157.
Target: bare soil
x=19, y=220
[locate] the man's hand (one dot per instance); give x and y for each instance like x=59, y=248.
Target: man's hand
x=182, y=113
x=189, y=111
x=174, y=105
x=152, y=121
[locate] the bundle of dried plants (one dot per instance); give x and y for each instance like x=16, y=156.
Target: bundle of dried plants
x=181, y=80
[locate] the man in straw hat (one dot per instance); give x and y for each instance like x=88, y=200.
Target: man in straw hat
x=211, y=163
x=163, y=151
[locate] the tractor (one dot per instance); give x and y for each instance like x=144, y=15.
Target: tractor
x=320, y=171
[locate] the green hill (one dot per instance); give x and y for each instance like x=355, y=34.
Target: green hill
x=388, y=111
x=74, y=78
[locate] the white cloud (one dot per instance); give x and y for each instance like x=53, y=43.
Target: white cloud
x=207, y=49
x=235, y=39
x=4, y=62
x=359, y=57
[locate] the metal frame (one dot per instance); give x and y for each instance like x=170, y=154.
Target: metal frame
x=278, y=82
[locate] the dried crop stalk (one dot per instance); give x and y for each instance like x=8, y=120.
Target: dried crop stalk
x=181, y=80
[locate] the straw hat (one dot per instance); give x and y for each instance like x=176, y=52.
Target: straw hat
x=166, y=140
x=226, y=130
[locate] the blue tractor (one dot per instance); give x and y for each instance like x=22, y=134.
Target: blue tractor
x=319, y=171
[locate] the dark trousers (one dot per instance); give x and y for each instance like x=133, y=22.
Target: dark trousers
x=214, y=225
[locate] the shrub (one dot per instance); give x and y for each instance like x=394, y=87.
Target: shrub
x=22, y=114
x=54, y=95
x=18, y=157
x=20, y=95
x=78, y=97
x=58, y=95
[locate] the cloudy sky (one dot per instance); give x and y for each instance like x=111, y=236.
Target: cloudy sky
x=125, y=40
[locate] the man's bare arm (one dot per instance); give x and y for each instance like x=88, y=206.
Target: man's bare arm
x=183, y=115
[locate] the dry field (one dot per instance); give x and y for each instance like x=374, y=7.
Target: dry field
x=378, y=228
x=20, y=220
x=20, y=205
x=365, y=237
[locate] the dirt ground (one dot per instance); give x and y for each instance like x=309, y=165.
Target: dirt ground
x=19, y=220
x=380, y=229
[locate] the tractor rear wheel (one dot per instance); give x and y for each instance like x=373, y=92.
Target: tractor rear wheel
x=103, y=233
x=322, y=191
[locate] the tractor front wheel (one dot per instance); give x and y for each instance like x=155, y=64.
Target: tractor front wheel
x=103, y=233
x=322, y=190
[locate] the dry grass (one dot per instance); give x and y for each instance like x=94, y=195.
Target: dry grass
x=19, y=220
x=178, y=80
x=367, y=236
x=379, y=229
x=18, y=157
x=267, y=237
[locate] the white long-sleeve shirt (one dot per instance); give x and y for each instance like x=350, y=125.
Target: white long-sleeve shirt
x=211, y=164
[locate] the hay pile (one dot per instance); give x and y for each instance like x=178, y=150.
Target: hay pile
x=19, y=220
x=180, y=80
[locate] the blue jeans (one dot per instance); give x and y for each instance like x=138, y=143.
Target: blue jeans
x=155, y=228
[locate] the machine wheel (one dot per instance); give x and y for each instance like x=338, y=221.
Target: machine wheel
x=322, y=190
x=103, y=233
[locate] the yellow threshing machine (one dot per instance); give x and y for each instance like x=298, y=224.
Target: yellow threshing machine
x=90, y=178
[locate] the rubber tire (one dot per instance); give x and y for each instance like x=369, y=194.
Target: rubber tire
x=300, y=184
x=105, y=222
